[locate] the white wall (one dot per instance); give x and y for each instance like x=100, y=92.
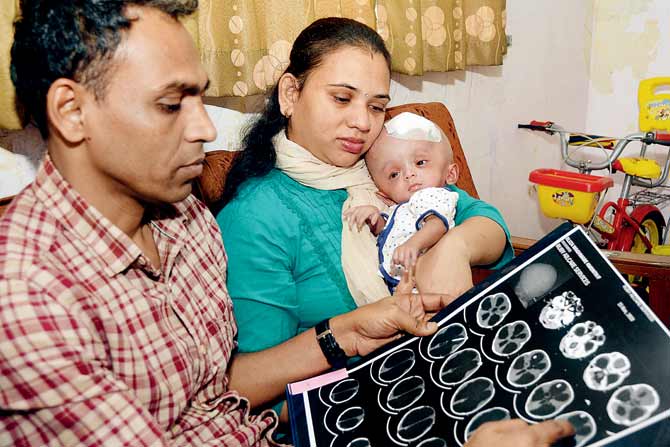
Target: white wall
x=573, y=62
x=544, y=76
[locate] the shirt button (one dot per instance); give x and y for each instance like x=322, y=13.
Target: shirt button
x=203, y=349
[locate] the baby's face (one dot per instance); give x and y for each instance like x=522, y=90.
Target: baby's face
x=399, y=168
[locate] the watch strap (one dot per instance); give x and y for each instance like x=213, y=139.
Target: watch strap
x=329, y=346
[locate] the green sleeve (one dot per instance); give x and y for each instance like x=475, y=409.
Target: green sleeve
x=260, y=280
x=468, y=207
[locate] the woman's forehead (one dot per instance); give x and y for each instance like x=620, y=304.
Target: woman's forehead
x=360, y=70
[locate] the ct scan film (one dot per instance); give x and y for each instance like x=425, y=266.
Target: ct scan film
x=557, y=334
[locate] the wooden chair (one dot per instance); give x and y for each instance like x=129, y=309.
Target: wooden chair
x=209, y=186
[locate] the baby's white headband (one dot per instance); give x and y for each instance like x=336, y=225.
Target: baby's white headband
x=409, y=126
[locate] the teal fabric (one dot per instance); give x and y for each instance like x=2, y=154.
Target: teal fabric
x=283, y=242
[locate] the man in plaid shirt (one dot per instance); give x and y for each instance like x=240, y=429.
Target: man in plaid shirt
x=115, y=324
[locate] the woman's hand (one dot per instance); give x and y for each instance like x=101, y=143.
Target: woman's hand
x=517, y=433
x=369, y=327
x=365, y=214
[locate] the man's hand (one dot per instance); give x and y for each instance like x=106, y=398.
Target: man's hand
x=365, y=214
x=367, y=328
x=517, y=433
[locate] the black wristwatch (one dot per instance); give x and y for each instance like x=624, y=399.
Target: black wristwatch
x=331, y=350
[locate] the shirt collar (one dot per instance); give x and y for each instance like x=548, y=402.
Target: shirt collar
x=105, y=240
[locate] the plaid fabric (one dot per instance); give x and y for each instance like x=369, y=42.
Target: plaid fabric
x=97, y=346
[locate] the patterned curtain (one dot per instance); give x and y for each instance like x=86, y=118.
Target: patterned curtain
x=442, y=35
x=245, y=44
x=9, y=118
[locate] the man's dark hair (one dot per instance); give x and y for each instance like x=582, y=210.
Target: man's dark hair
x=73, y=39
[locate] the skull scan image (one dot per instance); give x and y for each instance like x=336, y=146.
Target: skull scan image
x=433, y=442
x=490, y=415
x=447, y=341
x=396, y=365
x=344, y=391
x=561, y=311
x=607, y=371
x=350, y=419
x=405, y=393
x=416, y=423
x=492, y=310
x=549, y=398
x=528, y=368
x=584, y=425
x=459, y=366
x=472, y=396
x=582, y=340
x=511, y=337
x=632, y=403
x=535, y=281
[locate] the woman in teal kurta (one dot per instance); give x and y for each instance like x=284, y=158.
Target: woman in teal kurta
x=284, y=248
x=283, y=238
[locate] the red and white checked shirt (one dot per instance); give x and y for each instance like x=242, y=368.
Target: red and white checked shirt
x=98, y=347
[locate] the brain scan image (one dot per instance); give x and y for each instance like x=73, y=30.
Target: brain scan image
x=584, y=424
x=582, y=340
x=396, y=365
x=535, y=281
x=528, y=368
x=510, y=338
x=490, y=415
x=472, y=396
x=416, y=423
x=350, y=419
x=492, y=310
x=433, y=442
x=561, y=311
x=459, y=366
x=549, y=398
x=607, y=371
x=344, y=391
x=359, y=442
x=447, y=340
x=632, y=403
x=406, y=392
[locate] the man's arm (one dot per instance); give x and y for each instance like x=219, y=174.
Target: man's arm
x=53, y=389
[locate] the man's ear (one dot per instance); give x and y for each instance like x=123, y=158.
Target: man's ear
x=453, y=172
x=64, y=109
x=289, y=92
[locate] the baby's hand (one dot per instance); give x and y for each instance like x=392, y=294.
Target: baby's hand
x=361, y=215
x=406, y=255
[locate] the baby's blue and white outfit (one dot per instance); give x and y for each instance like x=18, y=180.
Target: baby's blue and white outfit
x=405, y=219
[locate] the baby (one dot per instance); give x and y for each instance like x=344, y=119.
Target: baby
x=411, y=163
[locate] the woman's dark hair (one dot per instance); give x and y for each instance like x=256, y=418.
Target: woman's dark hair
x=73, y=39
x=310, y=48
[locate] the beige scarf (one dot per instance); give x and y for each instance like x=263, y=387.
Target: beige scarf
x=359, y=248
